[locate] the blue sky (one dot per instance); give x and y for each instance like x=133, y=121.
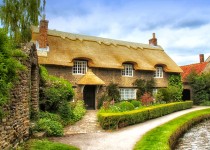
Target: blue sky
x=182, y=27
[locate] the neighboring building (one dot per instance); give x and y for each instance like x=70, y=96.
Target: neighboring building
x=91, y=63
x=199, y=68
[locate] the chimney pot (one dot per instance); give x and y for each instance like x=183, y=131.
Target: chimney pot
x=153, y=41
x=201, y=56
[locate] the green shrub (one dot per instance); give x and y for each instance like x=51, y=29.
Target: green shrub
x=54, y=92
x=79, y=110
x=66, y=113
x=136, y=103
x=126, y=106
x=35, y=144
x=51, y=116
x=104, y=98
x=113, y=92
x=52, y=128
x=115, y=120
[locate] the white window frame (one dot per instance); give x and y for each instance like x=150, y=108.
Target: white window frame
x=127, y=93
x=154, y=91
x=159, y=72
x=128, y=70
x=80, y=67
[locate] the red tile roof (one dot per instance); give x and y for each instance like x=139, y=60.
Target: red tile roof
x=198, y=68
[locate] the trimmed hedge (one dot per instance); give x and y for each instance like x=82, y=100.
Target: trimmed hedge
x=166, y=135
x=122, y=119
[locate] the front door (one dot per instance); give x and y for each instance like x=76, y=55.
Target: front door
x=89, y=96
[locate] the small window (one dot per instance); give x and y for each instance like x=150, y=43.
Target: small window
x=127, y=93
x=154, y=91
x=80, y=67
x=159, y=72
x=128, y=70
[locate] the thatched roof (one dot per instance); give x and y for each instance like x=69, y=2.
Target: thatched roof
x=90, y=79
x=102, y=52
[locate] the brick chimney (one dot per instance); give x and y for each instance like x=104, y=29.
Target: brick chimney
x=43, y=28
x=201, y=56
x=153, y=41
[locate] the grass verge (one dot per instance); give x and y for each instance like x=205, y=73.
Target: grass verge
x=164, y=137
x=35, y=144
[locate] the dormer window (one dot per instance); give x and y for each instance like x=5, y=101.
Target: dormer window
x=158, y=72
x=128, y=70
x=80, y=67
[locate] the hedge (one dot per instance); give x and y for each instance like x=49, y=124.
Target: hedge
x=166, y=135
x=122, y=119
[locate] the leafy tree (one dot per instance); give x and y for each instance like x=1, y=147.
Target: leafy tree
x=144, y=86
x=17, y=16
x=175, y=86
x=200, y=87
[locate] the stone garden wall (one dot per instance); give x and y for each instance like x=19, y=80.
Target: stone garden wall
x=14, y=127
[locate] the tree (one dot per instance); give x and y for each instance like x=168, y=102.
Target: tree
x=17, y=16
x=200, y=86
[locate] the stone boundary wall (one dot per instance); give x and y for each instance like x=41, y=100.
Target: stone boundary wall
x=14, y=128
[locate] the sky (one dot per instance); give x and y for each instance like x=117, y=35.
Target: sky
x=182, y=27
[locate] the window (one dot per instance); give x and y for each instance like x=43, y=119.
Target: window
x=154, y=91
x=128, y=70
x=126, y=93
x=80, y=67
x=158, y=72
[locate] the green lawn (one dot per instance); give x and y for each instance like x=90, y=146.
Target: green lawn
x=35, y=144
x=160, y=137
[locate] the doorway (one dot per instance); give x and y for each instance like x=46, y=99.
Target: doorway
x=89, y=96
x=186, y=94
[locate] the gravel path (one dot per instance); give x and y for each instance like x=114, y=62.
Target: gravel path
x=122, y=139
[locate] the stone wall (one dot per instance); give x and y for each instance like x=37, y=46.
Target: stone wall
x=14, y=127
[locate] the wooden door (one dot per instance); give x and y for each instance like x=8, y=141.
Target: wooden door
x=89, y=96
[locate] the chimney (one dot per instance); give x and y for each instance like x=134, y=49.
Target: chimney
x=201, y=56
x=153, y=41
x=43, y=28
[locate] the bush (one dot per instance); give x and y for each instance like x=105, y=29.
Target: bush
x=135, y=103
x=79, y=110
x=113, y=92
x=126, y=106
x=52, y=128
x=104, y=98
x=116, y=120
x=54, y=92
x=66, y=113
x=51, y=116
x=146, y=99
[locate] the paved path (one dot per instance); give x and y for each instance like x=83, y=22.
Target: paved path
x=122, y=139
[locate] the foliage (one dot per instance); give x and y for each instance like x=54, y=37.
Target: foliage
x=126, y=106
x=36, y=144
x=200, y=86
x=66, y=113
x=79, y=110
x=103, y=99
x=121, y=119
x=17, y=16
x=9, y=68
x=51, y=116
x=113, y=92
x=54, y=92
x=144, y=86
x=52, y=128
x=166, y=135
x=146, y=99
x=176, y=81
x=135, y=103
x=159, y=97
